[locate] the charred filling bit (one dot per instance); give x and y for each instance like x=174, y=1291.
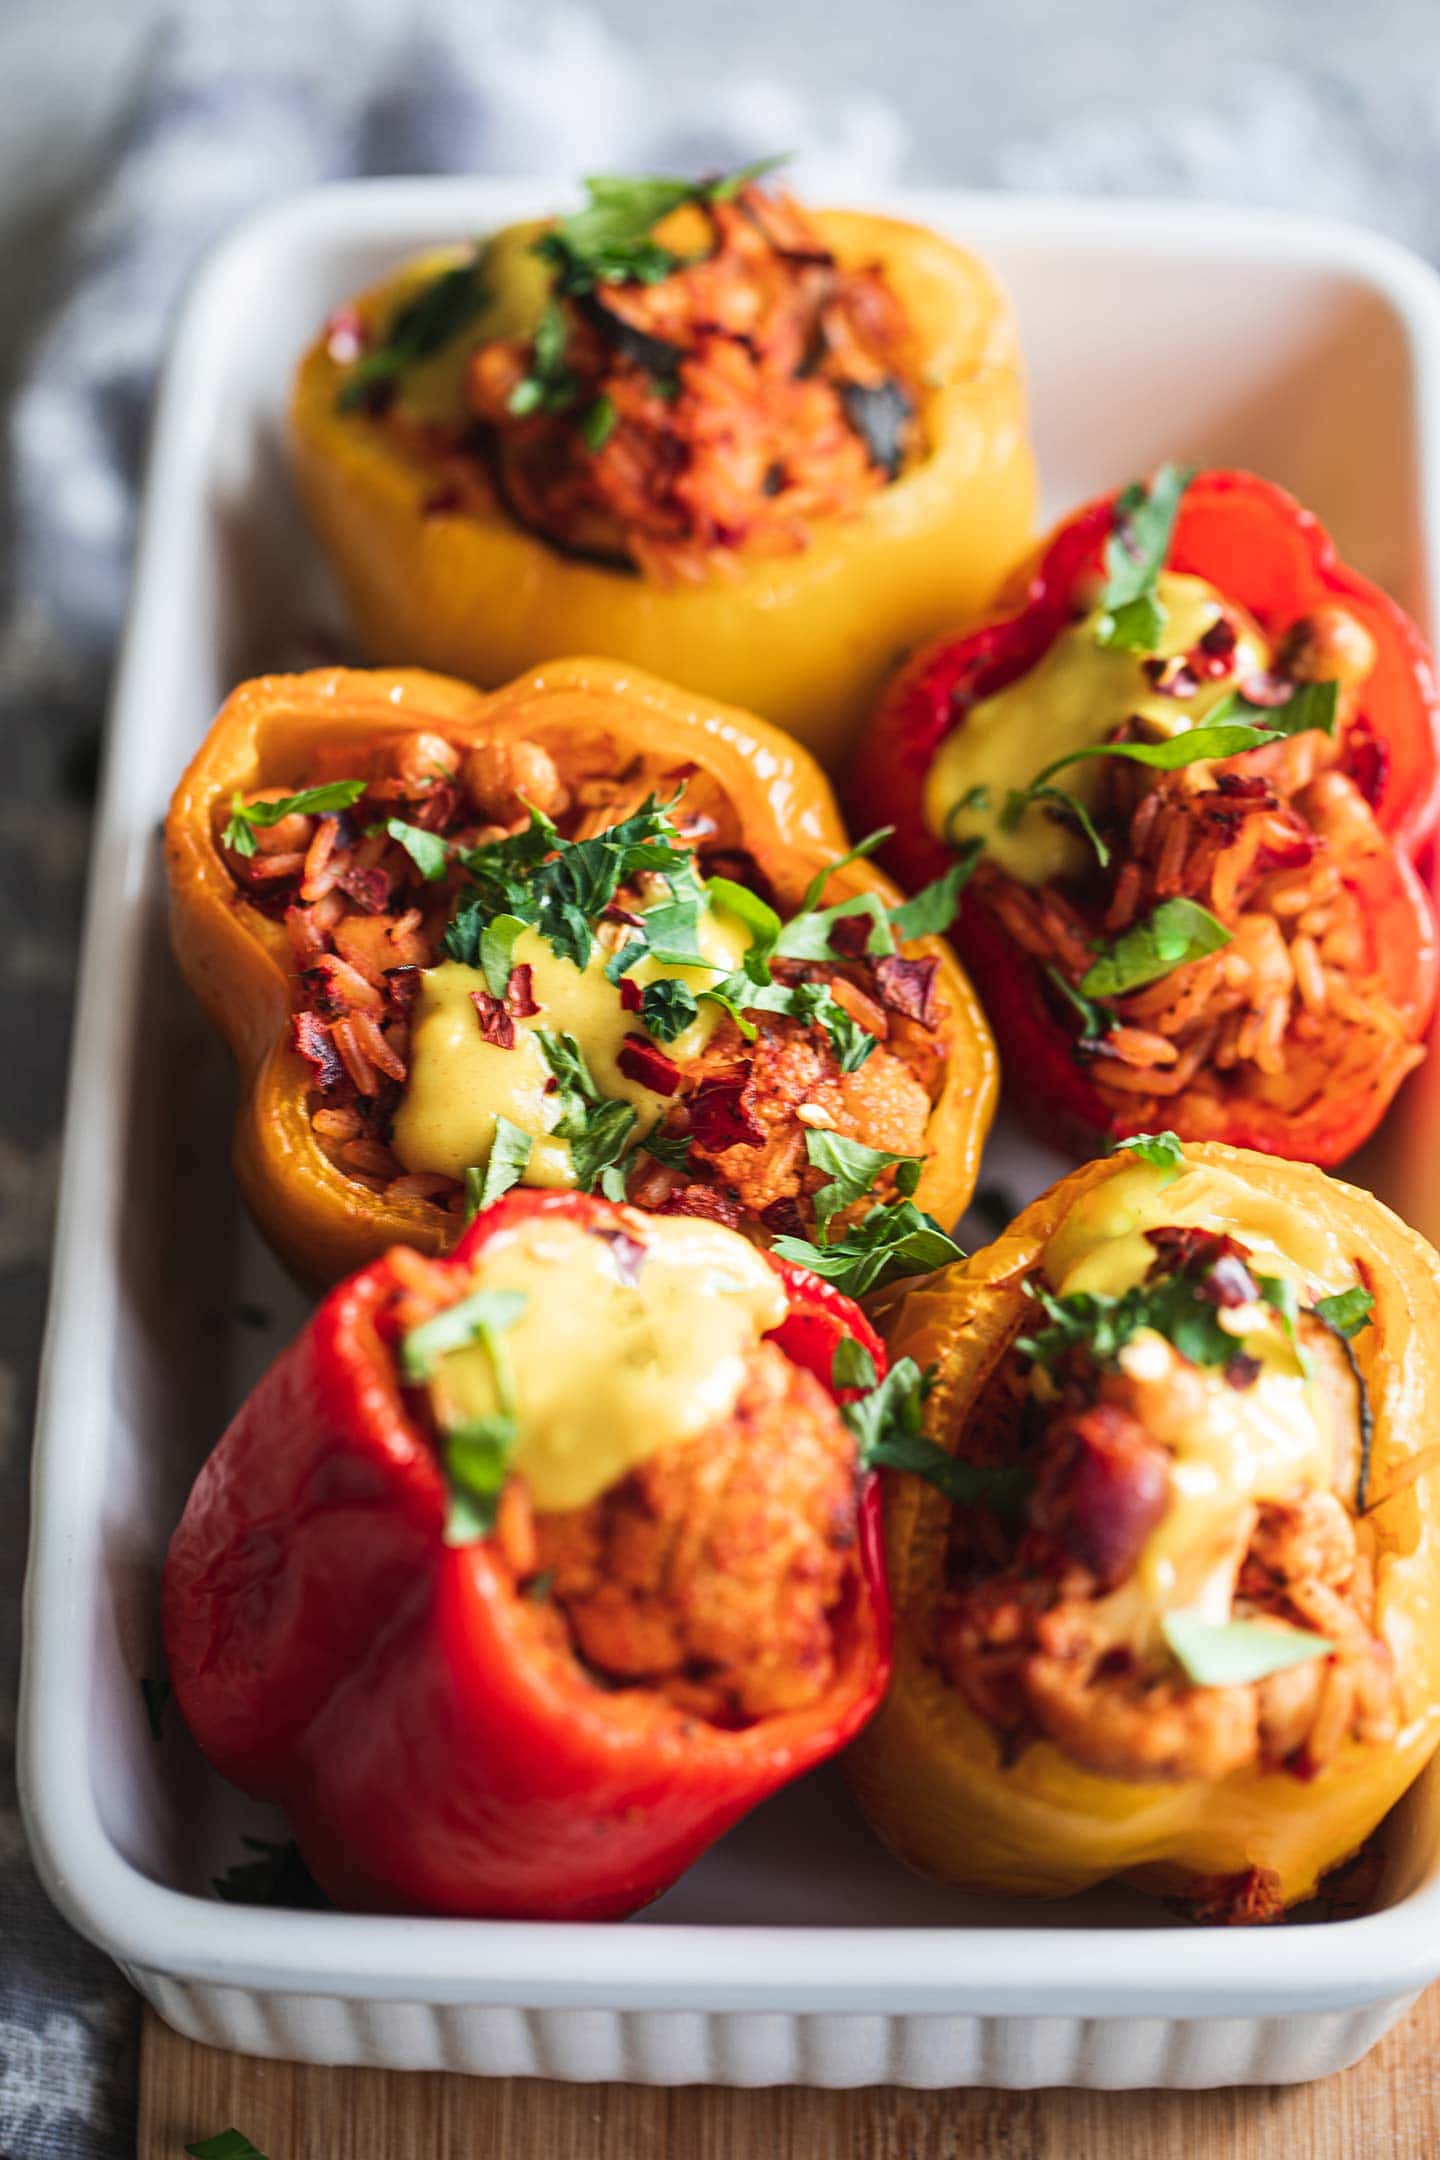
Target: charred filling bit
x=719, y=1572
x=1277, y=845
x=720, y=412
x=365, y=913
x=1051, y=1624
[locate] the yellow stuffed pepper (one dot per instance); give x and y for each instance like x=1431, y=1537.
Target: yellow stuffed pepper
x=586, y=932
x=756, y=450
x=1167, y=1595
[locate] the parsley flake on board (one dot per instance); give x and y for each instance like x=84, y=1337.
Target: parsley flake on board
x=1230, y=1653
x=225, y=2145
x=246, y=819
x=419, y=328
x=1135, y=555
x=1176, y=932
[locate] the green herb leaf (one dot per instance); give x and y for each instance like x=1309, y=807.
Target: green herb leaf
x=1346, y=1311
x=459, y=1325
x=1094, y=1020
x=1163, y=1151
x=548, y=384
x=248, y=818
x=1135, y=555
x=429, y=853
x=477, y=1461
x=812, y=1004
x=930, y=912
x=156, y=1695
x=420, y=327
x=578, y=1092
x=853, y=1169
x=225, y=2145
x=894, y=1238
x=852, y=1366
x=1019, y=800
x=887, y=1428
x=759, y=918
x=609, y=241
x=601, y=1146
x=598, y=424
x=671, y=1149
x=497, y=952
x=1309, y=705
x=667, y=1008
x=1176, y=932
x=1231, y=1653
x=506, y=1164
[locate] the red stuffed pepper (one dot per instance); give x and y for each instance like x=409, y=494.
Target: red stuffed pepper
x=523, y=1573
x=1194, y=760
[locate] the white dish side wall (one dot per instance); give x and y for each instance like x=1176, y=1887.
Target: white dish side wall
x=796, y=1951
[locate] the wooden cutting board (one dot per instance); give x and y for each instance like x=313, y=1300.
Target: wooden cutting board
x=1386, y=2108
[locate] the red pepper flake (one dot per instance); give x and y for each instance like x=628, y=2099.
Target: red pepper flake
x=402, y=987
x=630, y=995
x=908, y=987
x=721, y=1117
x=520, y=992
x=1241, y=1370
x=437, y=808
x=614, y=913
x=784, y=1217
x=311, y=1038
x=640, y=1061
x=702, y=1201
x=1367, y=760
x=369, y=889
x=850, y=934
x=1172, y=677
x=496, y=1025
x=345, y=337
x=442, y=501
x=1213, y=658
x=1246, y=787
x=1228, y=1284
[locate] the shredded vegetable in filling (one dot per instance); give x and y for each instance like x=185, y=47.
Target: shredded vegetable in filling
x=732, y=1091
x=717, y=413
x=1150, y=1615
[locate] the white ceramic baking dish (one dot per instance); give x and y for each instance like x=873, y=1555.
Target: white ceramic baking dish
x=797, y=1950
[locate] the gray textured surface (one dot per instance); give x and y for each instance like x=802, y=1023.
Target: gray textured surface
x=124, y=146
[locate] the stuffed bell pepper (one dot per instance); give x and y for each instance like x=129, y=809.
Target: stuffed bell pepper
x=1178, y=1617
x=585, y=933
x=523, y=1573
x=691, y=426
x=1194, y=764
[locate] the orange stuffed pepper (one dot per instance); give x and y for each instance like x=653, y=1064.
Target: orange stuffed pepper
x=1170, y=1608
x=586, y=933
x=692, y=426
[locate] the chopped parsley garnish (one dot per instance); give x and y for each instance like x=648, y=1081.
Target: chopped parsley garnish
x=508, y=1160
x=610, y=241
x=1184, y=1304
x=429, y=853
x=668, y=1007
x=1176, y=932
x=1309, y=705
x=1162, y=1150
x=892, y=1239
x=246, y=819
x=1094, y=1020
x=420, y=327
x=598, y=424
x=497, y=952
x=225, y=2145
x=853, y=1169
x=852, y=1366
x=1346, y=1311
x=549, y=385
x=813, y=1004
x=934, y=907
x=1230, y=1653
x=888, y=1426
x=598, y=1127
x=671, y=1149
x=1135, y=555
x=469, y=1320
x=155, y=1694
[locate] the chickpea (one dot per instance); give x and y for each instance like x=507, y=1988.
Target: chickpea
x=501, y=778
x=291, y=836
x=1328, y=645
x=422, y=761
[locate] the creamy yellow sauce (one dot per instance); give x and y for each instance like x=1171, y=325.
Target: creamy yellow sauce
x=1072, y=698
x=1228, y=1446
x=458, y=1083
x=615, y=1355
